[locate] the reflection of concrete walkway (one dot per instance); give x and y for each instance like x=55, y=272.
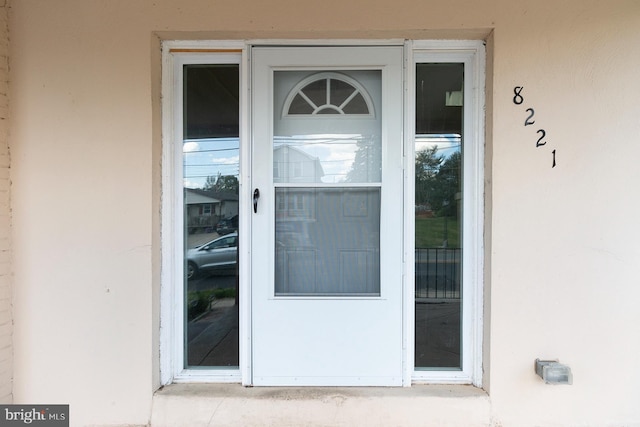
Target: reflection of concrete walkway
x=438, y=333
x=213, y=338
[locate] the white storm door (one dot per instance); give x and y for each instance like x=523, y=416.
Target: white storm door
x=326, y=243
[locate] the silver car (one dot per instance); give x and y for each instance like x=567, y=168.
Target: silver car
x=218, y=254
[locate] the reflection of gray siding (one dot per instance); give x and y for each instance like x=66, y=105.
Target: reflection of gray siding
x=228, y=208
x=222, y=206
x=193, y=197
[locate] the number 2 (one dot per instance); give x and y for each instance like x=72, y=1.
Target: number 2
x=528, y=120
x=538, y=143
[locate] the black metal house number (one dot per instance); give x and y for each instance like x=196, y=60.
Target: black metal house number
x=518, y=99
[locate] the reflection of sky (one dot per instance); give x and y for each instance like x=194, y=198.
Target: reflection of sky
x=335, y=152
x=208, y=157
x=447, y=143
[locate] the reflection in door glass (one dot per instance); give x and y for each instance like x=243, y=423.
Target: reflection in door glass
x=210, y=170
x=438, y=215
x=327, y=137
x=325, y=127
x=327, y=241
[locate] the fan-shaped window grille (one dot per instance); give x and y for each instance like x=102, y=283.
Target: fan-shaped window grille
x=328, y=94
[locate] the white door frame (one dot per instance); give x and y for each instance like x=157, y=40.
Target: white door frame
x=206, y=51
x=376, y=320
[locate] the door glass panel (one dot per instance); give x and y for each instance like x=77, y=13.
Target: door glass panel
x=438, y=215
x=327, y=232
x=327, y=241
x=210, y=170
x=311, y=146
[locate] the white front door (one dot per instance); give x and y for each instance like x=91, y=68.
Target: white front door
x=326, y=242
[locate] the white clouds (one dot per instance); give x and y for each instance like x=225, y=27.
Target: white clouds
x=209, y=157
x=189, y=147
x=232, y=160
x=447, y=143
x=191, y=184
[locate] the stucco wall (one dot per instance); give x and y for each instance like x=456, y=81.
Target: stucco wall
x=563, y=254
x=6, y=327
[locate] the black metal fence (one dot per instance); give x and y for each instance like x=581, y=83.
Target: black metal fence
x=438, y=273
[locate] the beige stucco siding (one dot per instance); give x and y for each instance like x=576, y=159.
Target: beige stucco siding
x=6, y=342
x=85, y=144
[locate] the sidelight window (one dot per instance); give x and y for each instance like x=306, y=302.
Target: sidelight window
x=447, y=215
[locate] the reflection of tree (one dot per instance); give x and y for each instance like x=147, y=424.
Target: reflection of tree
x=447, y=186
x=222, y=184
x=366, y=164
x=437, y=181
x=427, y=164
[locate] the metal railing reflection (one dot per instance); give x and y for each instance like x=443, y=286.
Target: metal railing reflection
x=438, y=273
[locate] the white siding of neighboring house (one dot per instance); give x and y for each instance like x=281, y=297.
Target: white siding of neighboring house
x=295, y=166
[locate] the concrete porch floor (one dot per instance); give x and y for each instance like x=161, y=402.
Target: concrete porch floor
x=213, y=341
x=199, y=405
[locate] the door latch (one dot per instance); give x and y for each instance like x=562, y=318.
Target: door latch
x=256, y=196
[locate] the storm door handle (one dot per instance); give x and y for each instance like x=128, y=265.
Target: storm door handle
x=256, y=196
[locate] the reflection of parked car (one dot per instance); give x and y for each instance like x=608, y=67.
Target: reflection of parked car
x=227, y=225
x=218, y=254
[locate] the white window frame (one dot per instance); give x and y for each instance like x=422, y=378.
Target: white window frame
x=472, y=55
x=175, y=54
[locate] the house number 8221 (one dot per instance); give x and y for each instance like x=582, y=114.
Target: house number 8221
x=518, y=99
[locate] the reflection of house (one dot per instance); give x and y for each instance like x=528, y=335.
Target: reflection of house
x=206, y=208
x=295, y=204
x=293, y=165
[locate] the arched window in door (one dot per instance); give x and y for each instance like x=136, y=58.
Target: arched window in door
x=328, y=94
